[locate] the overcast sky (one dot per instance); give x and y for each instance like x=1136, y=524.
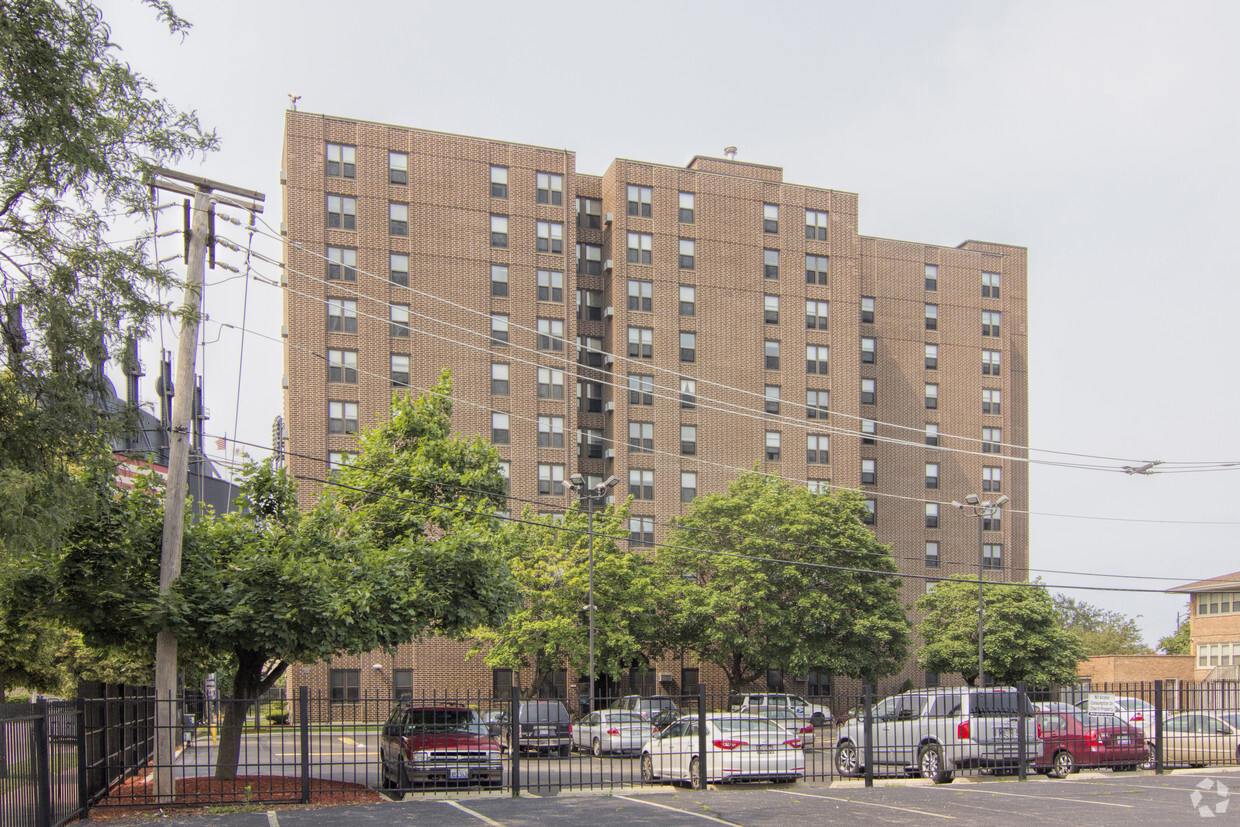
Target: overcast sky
x=1100, y=135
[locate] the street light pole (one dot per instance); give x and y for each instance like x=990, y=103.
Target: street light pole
x=983, y=510
x=589, y=495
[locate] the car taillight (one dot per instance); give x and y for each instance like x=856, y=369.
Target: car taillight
x=1039, y=726
x=722, y=744
x=570, y=728
x=613, y=731
x=795, y=743
x=654, y=730
x=807, y=728
x=1092, y=740
x=962, y=730
x=1138, y=717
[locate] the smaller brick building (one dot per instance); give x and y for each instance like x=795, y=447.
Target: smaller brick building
x=1215, y=626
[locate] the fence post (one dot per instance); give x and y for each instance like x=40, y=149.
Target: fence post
x=1158, y=727
x=702, y=732
x=39, y=733
x=514, y=742
x=869, y=737
x=1022, y=740
x=79, y=716
x=303, y=722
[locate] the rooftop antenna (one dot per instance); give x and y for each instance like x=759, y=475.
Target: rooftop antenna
x=729, y=152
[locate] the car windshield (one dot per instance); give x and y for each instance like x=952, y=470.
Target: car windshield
x=552, y=711
x=997, y=703
x=624, y=718
x=749, y=727
x=1135, y=704
x=440, y=720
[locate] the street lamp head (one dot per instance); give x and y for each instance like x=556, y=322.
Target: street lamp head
x=973, y=499
x=577, y=481
x=957, y=504
x=611, y=481
x=1004, y=500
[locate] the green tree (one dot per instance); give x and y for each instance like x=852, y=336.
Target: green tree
x=1101, y=632
x=771, y=575
x=1180, y=641
x=1023, y=638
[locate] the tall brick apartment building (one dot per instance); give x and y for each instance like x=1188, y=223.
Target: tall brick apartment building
x=668, y=325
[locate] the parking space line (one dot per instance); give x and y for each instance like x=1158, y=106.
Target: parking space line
x=1027, y=795
x=677, y=810
x=272, y=820
x=474, y=813
x=865, y=803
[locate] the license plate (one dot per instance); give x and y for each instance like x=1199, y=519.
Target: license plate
x=1122, y=740
x=458, y=773
x=1003, y=733
x=546, y=731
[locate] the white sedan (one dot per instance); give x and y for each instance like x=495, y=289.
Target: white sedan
x=611, y=730
x=738, y=747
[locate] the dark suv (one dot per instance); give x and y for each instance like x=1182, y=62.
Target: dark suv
x=545, y=727
x=440, y=746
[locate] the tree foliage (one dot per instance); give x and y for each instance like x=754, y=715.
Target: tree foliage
x=785, y=578
x=1101, y=631
x=1023, y=638
x=1180, y=641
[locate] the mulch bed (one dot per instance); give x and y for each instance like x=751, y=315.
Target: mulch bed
x=134, y=800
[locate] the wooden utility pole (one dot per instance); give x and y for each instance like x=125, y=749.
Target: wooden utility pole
x=167, y=722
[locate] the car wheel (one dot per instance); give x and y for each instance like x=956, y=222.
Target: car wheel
x=596, y=747
x=847, y=761
x=696, y=780
x=818, y=719
x=400, y=782
x=1063, y=764
x=1126, y=768
x=647, y=768
x=565, y=750
x=1148, y=763
x=385, y=780
x=930, y=762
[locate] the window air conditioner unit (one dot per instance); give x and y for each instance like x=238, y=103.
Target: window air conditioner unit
x=608, y=218
x=608, y=312
x=284, y=279
x=610, y=453
x=665, y=677
x=283, y=228
x=609, y=407
x=284, y=330
x=283, y=177
x=608, y=358
x=611, y=499
x=284, y=382
x=607, y=265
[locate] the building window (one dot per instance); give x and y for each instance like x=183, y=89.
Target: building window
x=932, y=396
x=641, y=437
x=771, y=350
x=816, y=223
x=641, y=531
x=550, y=334
x=590, y=259
x=641, y=484
x=932, y=434
x=688, y=393
x=499, y=379
x=685, y=214
x=398, y=315
x=990, y=362
x=770, y=309
x=550, y=383
x=590, y=213
x=550, y=188
x=641, y=343
x=990, y=285
x=641, y=389
x=641, y=295
x=932, y=475
x=550, y=286
x=342, y=315
x=869, y=471
x=771, y=401
x=338, y=459
x=342, y=417
x=932, y=317
x=550, y=237
x=590, y=348
x=550, y=479
x=817, y=449
x=639, y=249
x=550, y=432
x=590, y=305
x=639, y=201
x=342, y=366
x=932, y=357
x=867, y=350
x=688, y=300
x=398, y=269
x=992, y=556
x=400, y=370
x=816, y=269
x=932, y=515
x=818, y=486
x=992, y=521
x=817, y=404
x=341, y=212
x=867, y=309
x=499, y=428
x=499, y=231
x=590, y=443
x=992, y=478
x=398, y=168
x=869, y=391
x=499, y=280
x=932, y=277
x=869, y=513
x=341, y=264
x=689, y=680
x=590, y=396
x=688, y=347
x=772, y=445
x=341, y=161
x=816, y=315
x=688, y=440
x=990, y=323
x=770, y=218
x=991, y=399
x=770, y=264
x=402, y=684
x=932, y=554
x=499, y=329
x=992, y=440
x=687, y=248
x=688, y=486
x=499, y=182
x=869, y=432
x=344, y=685
x=398, y=219
x=816, y=359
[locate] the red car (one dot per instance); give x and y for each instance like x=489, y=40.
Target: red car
x=437, y=746
x=1071, y=740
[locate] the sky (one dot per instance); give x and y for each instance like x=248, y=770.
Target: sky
x=1099, y=135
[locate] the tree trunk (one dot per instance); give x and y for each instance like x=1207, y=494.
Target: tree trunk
x=247, y=686
x=4, y=677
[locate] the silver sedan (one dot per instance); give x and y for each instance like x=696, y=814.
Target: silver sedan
x=611, y=730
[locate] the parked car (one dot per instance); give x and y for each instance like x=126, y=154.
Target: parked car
x=1072, y=739
x=545, y=727
x=738, y=747
x=610, y=730
x=791, y=720
x=936, y=731
x=646, y=706
x=493, y=721
x=438, y=746
x=1200, y=738
x=664, y=718
x=1132, y=711
x=819, y=714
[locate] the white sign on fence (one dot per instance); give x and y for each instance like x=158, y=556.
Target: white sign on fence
x=1100, y=703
